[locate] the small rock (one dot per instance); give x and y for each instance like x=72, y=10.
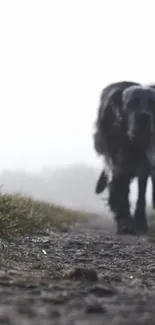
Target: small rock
x=111, y=278
x=95, y=308
x=83, y=274
x=13, y=272
x=24, y=308
x=102, y=291
x=152, y=270
x=55, y=313
x=2, y=274
x=135, y=282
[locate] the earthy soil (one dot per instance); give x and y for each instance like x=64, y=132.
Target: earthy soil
x=85, y=276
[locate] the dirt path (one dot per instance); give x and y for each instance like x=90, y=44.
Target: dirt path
x=87, y=276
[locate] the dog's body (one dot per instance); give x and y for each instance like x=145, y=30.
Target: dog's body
x=125, y=136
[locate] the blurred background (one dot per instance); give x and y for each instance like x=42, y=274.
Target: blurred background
x=55, y=58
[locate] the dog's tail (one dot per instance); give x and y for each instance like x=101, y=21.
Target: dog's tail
x=101, y=183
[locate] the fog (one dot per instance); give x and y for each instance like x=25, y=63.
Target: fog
x=55, y=58
x=72, y=186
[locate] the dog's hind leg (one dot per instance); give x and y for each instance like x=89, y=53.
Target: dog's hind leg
x=140, y=212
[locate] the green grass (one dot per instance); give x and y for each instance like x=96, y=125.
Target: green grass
x=22, y=216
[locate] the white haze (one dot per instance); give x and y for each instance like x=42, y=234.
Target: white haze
x=55, y=58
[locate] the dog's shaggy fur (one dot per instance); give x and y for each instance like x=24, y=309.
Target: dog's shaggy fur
x=125, y=136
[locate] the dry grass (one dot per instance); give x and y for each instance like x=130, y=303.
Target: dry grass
x=22, y=216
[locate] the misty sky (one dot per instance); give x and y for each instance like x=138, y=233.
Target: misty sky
x=55, y=57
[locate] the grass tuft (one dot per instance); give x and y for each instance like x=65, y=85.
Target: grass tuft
x=22, y=216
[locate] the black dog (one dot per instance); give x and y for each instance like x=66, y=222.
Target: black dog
x=125, y=136
x=103, y=180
